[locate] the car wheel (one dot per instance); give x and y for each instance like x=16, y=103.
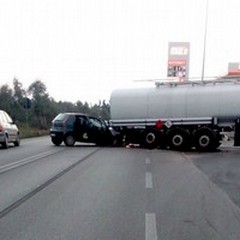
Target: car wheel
x=69, y=140
x=6, y=142
x=56, y=140
x=17, y=141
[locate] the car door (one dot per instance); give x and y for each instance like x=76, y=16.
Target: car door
x=94, y=130
x=106, y=133
x=81, y=129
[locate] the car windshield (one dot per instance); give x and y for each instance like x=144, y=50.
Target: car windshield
x=95, y=122
x=60, y=117
x=8, y=118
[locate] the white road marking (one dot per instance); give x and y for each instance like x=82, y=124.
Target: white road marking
x=150, y=226
x=147, y=160
x=26, y=160
x=149, y=181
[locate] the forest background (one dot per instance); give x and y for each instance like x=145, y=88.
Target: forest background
x=33, y=109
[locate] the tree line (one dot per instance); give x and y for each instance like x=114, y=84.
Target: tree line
x=35, y=107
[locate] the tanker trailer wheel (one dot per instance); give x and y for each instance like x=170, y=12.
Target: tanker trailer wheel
x=178, y=139
x=205, y=139
x=150, y=139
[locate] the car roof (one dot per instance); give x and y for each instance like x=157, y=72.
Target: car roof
x=74, y=113
x=2, y=111
x=79, y=114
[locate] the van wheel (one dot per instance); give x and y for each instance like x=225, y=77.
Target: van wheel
x=178, y=139
x=69, y=140
x=205, y=139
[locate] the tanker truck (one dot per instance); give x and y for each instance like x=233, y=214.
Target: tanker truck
x=178, y=116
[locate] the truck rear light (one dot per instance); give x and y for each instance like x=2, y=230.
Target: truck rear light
x=159, y=124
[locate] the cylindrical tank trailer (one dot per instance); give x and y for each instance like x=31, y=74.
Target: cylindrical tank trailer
x=184, y=101
x=191, y=115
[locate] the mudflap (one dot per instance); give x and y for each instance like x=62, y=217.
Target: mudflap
x=237, y=133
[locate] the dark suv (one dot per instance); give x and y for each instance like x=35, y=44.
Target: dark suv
x=76, y=127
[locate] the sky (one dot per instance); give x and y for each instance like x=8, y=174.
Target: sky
x=83, y=49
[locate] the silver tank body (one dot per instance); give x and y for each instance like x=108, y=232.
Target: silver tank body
x=181, y=101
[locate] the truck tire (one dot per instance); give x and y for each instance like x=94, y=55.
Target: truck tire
x=178, y=139
x=69, y=140
x=205, y=139
x=150, y=139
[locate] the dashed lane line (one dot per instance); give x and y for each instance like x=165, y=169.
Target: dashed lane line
x=148, y=161
x=148, y=180
x=150, y=226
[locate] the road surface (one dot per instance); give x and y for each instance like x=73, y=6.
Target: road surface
x=87, y=193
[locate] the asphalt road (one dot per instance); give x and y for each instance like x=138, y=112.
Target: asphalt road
x=87, y=193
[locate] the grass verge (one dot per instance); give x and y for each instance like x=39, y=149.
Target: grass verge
x=27, y=132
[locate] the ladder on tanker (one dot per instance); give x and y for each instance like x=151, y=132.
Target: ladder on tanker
x=197, y=81
x=234, y=79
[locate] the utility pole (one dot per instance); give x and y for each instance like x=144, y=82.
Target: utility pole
x=205, y=40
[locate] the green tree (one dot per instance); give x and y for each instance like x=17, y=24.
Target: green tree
x=66, y=107
x=105, y=110
x=6, y=99
x=38, y=89
x=83, y=108
x=19, y=95
x=42, y=107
